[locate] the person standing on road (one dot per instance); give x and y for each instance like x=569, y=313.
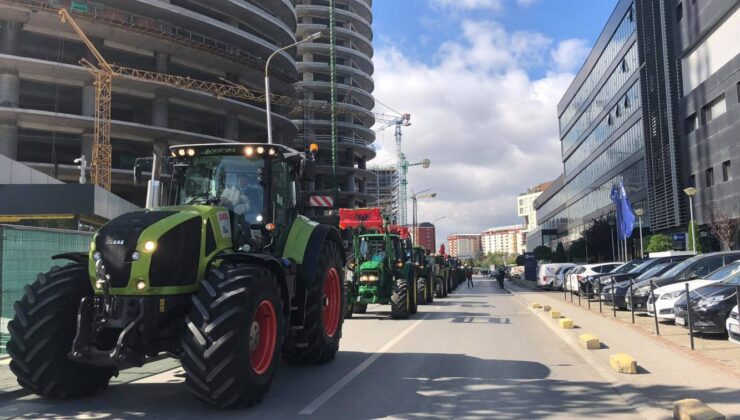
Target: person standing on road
x=500, y=277
x=469, y=275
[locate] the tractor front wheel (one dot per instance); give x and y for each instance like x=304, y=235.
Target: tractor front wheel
x=41, y=335
x=429, y=287
x=400, y=305
x=318, y=341
x=421, y=291
x=232, y=335
x=348, y=300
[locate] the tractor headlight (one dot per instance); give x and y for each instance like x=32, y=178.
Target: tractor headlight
x=140, y=285
x=135, y=256
x=372, y=278
x=150, y=246
x=97, y=256
x=364, y=278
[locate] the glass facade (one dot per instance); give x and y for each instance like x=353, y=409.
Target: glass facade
x=627, y=67
x=625, y=29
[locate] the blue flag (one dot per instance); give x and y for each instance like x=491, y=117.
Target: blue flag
x=617, y=199
x=627, y=224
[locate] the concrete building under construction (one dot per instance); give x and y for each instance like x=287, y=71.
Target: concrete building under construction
x=47, y=99
x=385, y=189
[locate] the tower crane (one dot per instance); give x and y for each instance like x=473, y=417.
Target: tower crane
x=402, y=165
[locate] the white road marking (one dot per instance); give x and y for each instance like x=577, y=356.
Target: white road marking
x=334, y=389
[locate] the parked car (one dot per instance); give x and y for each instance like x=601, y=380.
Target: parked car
x=547, y=274
x=621, y=281
x=563, y=270
x=693, y=268
x=579, y=275
x=710, y=306
x=733, y=326
x=666, y=296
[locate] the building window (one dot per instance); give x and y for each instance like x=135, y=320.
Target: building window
x=709, y=177
x=692, y=181
x=692, y=123
x=714, y=109
x=726, y=171
x=679, y=12
x=625, y=67
x=626, y=101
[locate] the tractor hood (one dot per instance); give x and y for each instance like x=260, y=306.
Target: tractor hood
x=161, y=250
x=371, y=265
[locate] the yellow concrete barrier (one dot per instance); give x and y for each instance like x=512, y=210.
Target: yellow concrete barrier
x=536, y=306
x=589, y=341
x=623, y=363
x=566, y=323
x=555, y=314
x=693, y=409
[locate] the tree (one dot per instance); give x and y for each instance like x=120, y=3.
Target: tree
x=542, y=253
x=725, y=228
x=519, y=260
x=599, y=239
x=659, y=243
x=577, y=250
x=559, y=256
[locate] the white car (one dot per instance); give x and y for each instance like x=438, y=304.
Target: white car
x=561, y=273
x=666, y=296
x=733, y=326
x=579, y=274
x=547, y=275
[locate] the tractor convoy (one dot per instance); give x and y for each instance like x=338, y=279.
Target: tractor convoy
x=228, y=277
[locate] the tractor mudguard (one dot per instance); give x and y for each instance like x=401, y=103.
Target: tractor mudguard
x=78, y=257
x=312, y=252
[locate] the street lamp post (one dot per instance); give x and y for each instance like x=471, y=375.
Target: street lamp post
x=309, y=38
x=414, y=197
x=690, y=191
x=639, y=213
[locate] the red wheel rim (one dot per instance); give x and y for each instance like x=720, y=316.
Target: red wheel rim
x=262, y=337
x=332, y=299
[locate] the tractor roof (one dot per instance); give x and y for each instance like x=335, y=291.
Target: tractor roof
x=402, y=231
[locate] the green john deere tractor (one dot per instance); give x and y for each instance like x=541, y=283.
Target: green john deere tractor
x=226, y=279
x=424, y=282
x=382, y=271
x=439, y=274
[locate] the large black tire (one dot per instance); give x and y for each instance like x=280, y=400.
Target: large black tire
x=446, y=288
x=413, y=296
x=400, y=298
x=359, y=308
x=41, y=335
x=421, y=291
x=348, y=301
x=221, y=339
x=439, y=288
x=429, y=288
x=318, y=341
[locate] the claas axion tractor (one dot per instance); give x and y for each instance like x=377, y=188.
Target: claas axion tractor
x=382, y=268
x=227, y=277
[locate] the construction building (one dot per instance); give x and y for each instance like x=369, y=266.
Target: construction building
x=385, y=189
x=425, y=236
x=343, y=171
x=508, y=240
x=464, y=245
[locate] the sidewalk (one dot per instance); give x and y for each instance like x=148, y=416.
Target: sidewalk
x=664, y=364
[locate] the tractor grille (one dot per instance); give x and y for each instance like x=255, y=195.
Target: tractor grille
x=175, y=262
x=116, y=241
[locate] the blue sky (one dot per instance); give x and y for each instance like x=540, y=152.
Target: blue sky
x=481, y=80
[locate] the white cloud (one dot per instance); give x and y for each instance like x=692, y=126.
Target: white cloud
x=489, y=129
x=570, y=54
x=468, y=4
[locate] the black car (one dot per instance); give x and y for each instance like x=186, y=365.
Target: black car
x=693, y=268
x=621, y=281
x=710, y=306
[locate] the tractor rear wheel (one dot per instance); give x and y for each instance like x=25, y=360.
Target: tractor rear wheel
x=232, y=336
x=41, y=335
x=439, y=288
x=429, y=287
x=421, y=291
x=413, y=296
x=318, y=342
x=400, y=305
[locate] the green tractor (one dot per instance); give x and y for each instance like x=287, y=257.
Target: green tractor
x=425, y=280
x=438, y=270
x=381, y=268
x=227, y=279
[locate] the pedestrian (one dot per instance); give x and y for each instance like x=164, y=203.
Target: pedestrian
x=500, y=277
x=469, y=275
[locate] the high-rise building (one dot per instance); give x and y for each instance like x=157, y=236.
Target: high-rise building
x=425, y=236
x=384, y=188
x=525, y=205
x=507, y=240
x=47, y=99
x=343, y=169
x=464, y=245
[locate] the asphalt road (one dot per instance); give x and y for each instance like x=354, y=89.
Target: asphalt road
x=478, y=353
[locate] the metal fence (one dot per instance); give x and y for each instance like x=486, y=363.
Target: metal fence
x=25, y=252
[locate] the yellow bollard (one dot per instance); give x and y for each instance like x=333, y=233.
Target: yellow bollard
x=566, y=323
x=589, y=341
x=623, y=363
x=554, y=314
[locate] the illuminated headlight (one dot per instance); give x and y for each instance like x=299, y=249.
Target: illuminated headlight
x=150, y=246
x=364, y=278
x=135, y=256
x=372, y=277
x=191, y=152
x=271, y=152
x=260, y=150
x=248, y=151
x=181, y=152
x=98, y=285
x=140, y=285
x=259, y=218
x=97, y=256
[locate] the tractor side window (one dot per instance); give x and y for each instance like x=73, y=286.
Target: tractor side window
x=281, y=192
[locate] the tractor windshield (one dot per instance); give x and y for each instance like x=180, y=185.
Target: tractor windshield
x=372, y=248
x=230, y=181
